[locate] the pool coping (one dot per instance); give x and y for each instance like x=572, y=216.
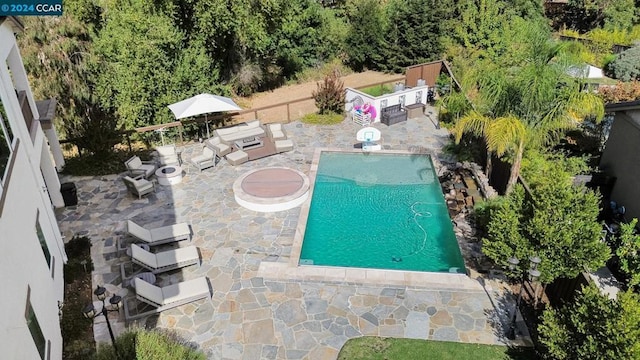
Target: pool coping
x=293, y=270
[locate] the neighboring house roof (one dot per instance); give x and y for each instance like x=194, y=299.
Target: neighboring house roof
x=586, y=72
x=628, y=105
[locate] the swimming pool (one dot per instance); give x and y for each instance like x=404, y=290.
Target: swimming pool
x=379, y=210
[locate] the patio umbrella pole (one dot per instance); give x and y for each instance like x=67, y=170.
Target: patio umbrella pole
x=207, y=122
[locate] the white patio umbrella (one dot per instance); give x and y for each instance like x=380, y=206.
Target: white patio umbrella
x=202, y=104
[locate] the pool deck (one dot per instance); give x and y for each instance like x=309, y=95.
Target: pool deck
x=261, y=307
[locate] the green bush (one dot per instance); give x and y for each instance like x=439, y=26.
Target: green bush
x=139, y=344
x=78, y=251
x=627, y=65
x=593, y=327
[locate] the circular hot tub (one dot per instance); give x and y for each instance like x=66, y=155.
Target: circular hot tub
x=271, y=189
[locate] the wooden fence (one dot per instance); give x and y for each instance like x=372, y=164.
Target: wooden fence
x=267, y=114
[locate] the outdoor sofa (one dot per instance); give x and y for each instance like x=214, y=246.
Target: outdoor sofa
x=241, y=131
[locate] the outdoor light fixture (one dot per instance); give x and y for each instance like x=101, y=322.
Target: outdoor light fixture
x=89, y=311
x=533, y=274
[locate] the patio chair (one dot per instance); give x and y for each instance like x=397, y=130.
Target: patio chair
x=159, y=235
x=170, y=296
x=168, y=155
x=276, y=132
x=137, y=168
x=166, y=260
x=205, y=160
x=216, y=143
x=139, y=187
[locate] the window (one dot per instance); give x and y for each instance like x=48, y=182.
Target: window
x=6, y=138
x=34, y=326
x=43, y=241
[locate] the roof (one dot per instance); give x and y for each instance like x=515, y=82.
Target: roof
x=628, y=105
x=14, y=22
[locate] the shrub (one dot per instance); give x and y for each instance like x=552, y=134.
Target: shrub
x=139, y=344
x=627, y=66
x=622, y=91
x=593, y=327
x=628, y=252
x=329, y=95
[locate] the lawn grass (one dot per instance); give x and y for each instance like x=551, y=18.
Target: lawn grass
x=375, y=348
x=377, y=90
x=325, y=119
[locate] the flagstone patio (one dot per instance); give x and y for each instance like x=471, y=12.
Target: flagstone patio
x=253, y=317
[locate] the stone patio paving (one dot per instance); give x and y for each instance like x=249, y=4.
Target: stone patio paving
x=250, y=317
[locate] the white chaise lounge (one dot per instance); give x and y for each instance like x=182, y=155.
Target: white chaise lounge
x=160, y=235
x=170, y=296
x=166, y=260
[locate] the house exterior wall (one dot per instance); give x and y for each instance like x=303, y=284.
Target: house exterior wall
x=26, y=200
x=620, y=159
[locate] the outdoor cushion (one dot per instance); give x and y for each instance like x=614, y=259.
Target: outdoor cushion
x=138, y=187
x=220, y=148
x=137, y=167
x=180, y=293
x=283, y=145
x=276, y=132
x=160, y=235
x=168, y=155
x=238, y=132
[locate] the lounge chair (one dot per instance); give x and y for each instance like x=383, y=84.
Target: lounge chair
x=205, y=160
x=168, y=297
x=221, y=148
x=160, y=235
x=136, y=167
x=276, y=132
x=168, y=155
x=166, y=260
x=138, y=187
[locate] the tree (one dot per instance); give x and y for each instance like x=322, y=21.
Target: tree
x=628, y=252
x=482, y=27
x=558, y=222
x=366, y=35
x=135, y=53
x=528, y=104
x=626, y=66
x=593, y=327
x=413, y=33
x=585, y=15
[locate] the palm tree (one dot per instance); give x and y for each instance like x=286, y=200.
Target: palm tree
x=529, y=105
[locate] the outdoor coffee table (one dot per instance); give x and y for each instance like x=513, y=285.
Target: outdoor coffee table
x=249, y=143
x=144, y=276
x=169, y=175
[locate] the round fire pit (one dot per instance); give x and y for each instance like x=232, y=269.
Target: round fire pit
x=169, y=175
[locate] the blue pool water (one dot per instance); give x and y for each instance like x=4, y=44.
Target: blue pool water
x=377, y=210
